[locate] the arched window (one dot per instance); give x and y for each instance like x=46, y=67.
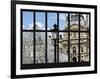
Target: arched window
x=60, y=36
x=74, y=49
x=81, y=49
x=74, y=59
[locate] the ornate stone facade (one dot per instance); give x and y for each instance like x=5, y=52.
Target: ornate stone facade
x=74, y=40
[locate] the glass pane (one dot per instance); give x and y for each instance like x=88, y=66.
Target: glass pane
x=63, y=21
x=50, y=48
x=40, y=47
x=63, y=47
x=74, y=21
x=84, y=22
x=27, y=44
x=51, y=20
x=40, y=21
x=74, y=45
x=84, y=46
x=27, y=20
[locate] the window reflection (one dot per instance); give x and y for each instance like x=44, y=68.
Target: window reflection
x=63, y=21
x=40, y=47
x=40, y=21
x=63, y=47
x=84, y=22
x=27, y=48
x=51, y=20
x=74, y=22
x=27, y=20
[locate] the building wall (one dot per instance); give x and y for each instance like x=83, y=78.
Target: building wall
x=74, y=43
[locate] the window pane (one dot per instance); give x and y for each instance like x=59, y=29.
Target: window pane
x=50, y=48
x=63, y=47
x=84, y=22
x=27, y=44
x=84, y=46
x=27, y=20
x=63, y=21
x=74, y=46
x=74, y=21
x=40, y=21
x=51, y=20
x=40, y=47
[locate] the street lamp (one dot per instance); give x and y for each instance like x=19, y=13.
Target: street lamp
x=54, y=38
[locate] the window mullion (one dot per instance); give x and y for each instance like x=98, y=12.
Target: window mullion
x=79, y=41
x=58, y=38
x=46, y=37
x=68, y=37
x=34, y=35
x=89, y=37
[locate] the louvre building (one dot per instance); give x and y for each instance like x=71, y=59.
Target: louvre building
x=74, y=41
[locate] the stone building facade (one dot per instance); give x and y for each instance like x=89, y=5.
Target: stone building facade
x=74, y=40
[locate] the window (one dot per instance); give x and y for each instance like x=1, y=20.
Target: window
x=74, y=35
x=46, y=38
x=81, y=49
x=74, y=49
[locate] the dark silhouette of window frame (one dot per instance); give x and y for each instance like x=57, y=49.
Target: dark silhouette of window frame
x=56, y=62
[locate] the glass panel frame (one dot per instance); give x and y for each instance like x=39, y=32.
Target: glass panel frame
x=57, y=30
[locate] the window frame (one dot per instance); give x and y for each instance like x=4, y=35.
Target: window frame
x=56, y=54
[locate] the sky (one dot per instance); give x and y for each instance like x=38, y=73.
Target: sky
x=40, y=20
x=28, y=20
